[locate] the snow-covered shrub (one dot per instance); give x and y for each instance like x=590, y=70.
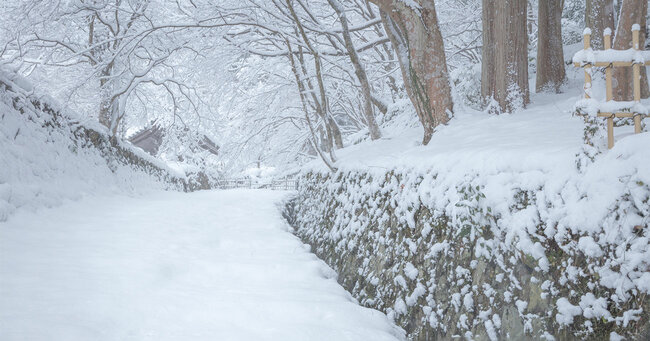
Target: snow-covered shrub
x=400, y=116
x=467, y=86
x=573, y=21
x=595, y=130
x=192, y=153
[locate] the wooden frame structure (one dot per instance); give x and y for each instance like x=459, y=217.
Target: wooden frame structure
x=608, y=60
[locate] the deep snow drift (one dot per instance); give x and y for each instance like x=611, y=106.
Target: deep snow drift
x=218, y=265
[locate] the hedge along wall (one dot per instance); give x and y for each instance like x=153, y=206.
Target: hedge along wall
x=456, y=256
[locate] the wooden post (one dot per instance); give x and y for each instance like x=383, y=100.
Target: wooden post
x=610, y=132
x=607, y=42
x=586, y=35
x=636, y=75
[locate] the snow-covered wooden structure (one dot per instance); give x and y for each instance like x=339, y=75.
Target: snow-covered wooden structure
x=608, y=59
x=150, y=139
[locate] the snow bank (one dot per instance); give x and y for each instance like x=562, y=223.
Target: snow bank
x=48, y=156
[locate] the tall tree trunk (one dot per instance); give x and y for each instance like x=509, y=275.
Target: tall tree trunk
x=332, y=127
x=632, y=12
x=302, y=91
x=104, y=116
x=413, y=30
x=550, y=57
x=387, y=57
x=599, y=15
x=488, y=52
x=106, y=94
x=505, y=65
x=107, y=106
x=336, y=131
x=359, y=70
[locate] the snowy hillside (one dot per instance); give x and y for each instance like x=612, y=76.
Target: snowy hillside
x=48, y=157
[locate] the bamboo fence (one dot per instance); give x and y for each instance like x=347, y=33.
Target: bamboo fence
x=609, y=59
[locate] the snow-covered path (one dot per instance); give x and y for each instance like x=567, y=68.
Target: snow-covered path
x=217, y=265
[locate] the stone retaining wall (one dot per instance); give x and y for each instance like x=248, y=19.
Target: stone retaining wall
x=444, y=277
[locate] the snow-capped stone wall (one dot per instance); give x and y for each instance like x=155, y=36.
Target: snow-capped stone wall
x=464, y=259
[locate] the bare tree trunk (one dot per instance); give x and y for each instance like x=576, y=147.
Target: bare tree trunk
x=329, y=162
x=512, y=54
x=632, y=12
x=387, y=57
x=418, y=44
x=328, y=134
x=488, y=53
x=104, y=117
x=333, y=128
x=550, y=57
x=105, y=110
x=105, y=105
x=508, y=60
x=381, y=106
x=336, y=131
x=359, y=70
x=599, y=15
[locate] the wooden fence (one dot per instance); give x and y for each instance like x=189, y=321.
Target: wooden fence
x=608, y=59
x=283, y=184
x=235, y=183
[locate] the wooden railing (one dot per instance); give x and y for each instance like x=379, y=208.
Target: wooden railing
x=282, y=184
x=235, y=183
x=609, y=58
